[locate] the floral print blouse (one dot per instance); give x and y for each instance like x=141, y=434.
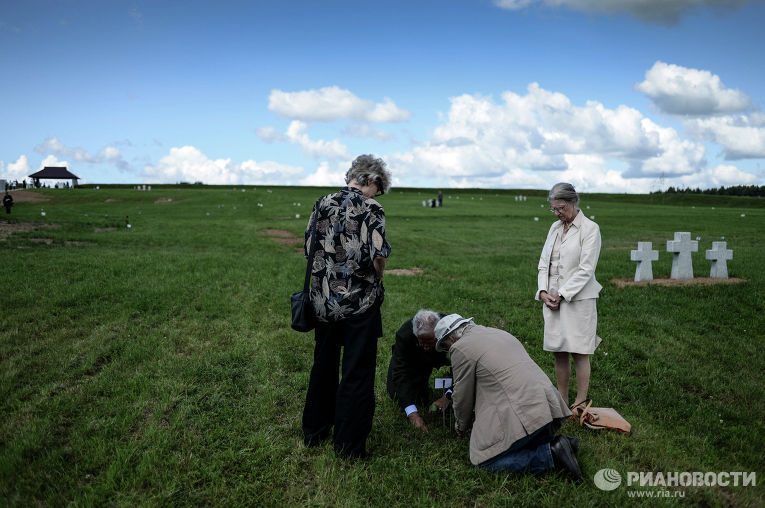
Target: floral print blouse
x=351, y=233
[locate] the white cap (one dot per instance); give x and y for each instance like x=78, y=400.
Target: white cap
x=447, y=325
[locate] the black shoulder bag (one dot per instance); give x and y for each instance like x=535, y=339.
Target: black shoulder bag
x=303, y=318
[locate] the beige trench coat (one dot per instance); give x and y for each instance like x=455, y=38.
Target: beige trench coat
x=511, y=396
x=572, y=328
x=579, y=252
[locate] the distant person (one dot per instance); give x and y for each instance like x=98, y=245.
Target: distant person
x=7, y=202
x=513, y=408
x=440, y=198
x=413, y=360
x=567, y=287
x=346, y=293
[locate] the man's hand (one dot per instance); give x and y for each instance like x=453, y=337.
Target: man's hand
x=459, y=432
x=442, y=403
x=418, y=422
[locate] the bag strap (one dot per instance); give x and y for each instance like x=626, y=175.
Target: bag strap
x=585, y=412
x=312, y=248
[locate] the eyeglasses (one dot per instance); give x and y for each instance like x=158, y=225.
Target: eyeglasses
x=380, y=190
x=558, y=209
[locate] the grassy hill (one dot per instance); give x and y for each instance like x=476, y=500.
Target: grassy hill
x=155, y=364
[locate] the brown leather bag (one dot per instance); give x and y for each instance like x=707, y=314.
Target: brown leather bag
x=600, y=418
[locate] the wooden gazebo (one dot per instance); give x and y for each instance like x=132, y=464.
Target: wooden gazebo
x=53, y=173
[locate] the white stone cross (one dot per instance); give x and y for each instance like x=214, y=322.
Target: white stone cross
x=682, y=246
x=644, y=256
x=719, y=255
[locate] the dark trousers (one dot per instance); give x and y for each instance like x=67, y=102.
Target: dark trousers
x=349, y=404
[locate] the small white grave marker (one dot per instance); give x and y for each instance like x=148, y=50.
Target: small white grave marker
x=644, y=256
x=719, y=255
x=682, y=246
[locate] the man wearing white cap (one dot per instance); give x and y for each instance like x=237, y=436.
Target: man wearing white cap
x=517, y=408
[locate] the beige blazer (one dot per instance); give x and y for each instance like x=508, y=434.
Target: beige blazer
x=511, y=396
x=579, y=252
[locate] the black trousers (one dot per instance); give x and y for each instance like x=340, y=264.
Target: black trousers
x=349, y=404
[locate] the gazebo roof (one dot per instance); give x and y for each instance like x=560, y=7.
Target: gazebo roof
x=57, y=172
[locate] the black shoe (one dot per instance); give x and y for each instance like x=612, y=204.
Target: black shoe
x=574, y=442
x=563, y=457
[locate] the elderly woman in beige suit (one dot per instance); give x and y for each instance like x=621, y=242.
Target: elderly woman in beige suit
x=567, y=287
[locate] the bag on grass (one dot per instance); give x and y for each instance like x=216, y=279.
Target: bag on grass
x=601, y=418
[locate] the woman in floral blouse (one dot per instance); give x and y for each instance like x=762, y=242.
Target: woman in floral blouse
x=346, y=292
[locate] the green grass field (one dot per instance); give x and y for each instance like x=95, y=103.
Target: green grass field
x=156, y=365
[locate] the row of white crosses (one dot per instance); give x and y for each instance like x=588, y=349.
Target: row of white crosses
x=682, y=266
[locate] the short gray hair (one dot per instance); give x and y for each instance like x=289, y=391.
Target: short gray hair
x=424, y=321
x=564, y=192
x=366, y=169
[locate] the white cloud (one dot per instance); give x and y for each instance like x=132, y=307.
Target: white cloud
x=109, y=153
x=296, y=135
x=531, y=139
x=188, y=164
x=269, y=134
x=55, y=146
x=682, y=91
x=18, y=170
x=660, y=11
x=53, y=161
x=333, y=103
x=723, y=175
x=741, y=136
x=326, y=176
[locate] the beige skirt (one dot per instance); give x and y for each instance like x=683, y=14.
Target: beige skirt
x=572, y=328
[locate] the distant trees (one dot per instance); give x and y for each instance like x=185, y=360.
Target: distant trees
x=735, y=190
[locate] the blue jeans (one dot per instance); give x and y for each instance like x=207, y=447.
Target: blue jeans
x=530, y=454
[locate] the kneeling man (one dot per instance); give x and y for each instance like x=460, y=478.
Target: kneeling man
x=517, y=408
x=413, y=360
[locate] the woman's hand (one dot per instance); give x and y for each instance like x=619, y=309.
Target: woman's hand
x=552, y=302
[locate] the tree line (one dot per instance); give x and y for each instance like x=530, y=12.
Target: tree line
x=735, y=190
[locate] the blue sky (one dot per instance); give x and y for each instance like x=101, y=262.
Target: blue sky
x=611, y=95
